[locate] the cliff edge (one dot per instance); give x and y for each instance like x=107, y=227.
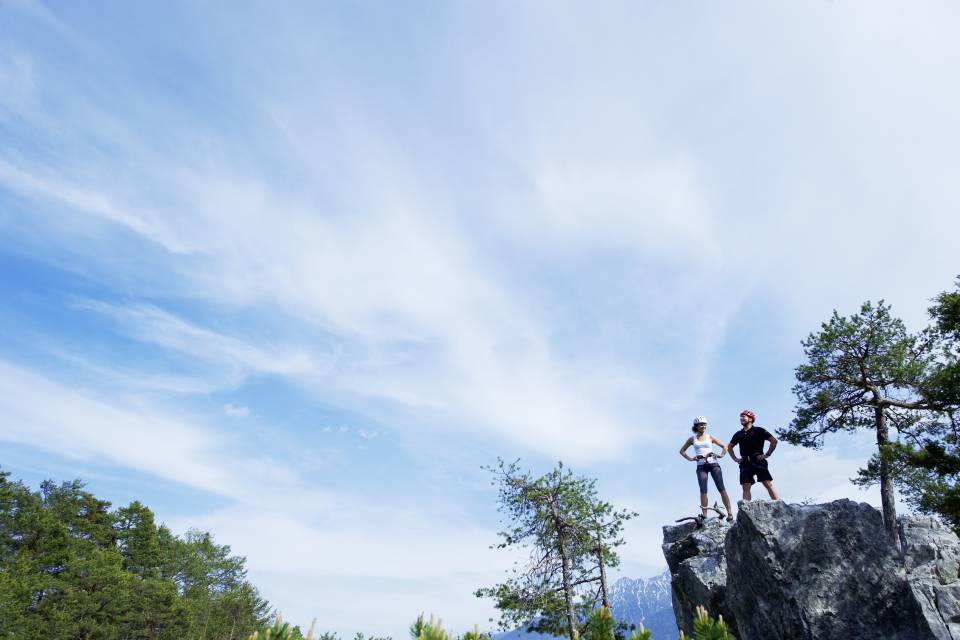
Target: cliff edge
x=818, y=571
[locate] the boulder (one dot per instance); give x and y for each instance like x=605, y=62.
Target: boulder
x=698, y=569
x=817, y=571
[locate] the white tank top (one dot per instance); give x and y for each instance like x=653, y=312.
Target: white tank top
x=703, y=448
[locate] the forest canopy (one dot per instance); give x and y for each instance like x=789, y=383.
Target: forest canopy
x=73, y=568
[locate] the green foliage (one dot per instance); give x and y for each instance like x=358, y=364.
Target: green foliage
x=569, y=532
x=926, y=469
x=432, y=629
x=926, y=474
x=70, y=568
x=854, y=365
x=474, y=634
x=863, y=371
x=600, y=625
x=706, y=628
x=281, y=630
x=942, y=386
x=429, y=630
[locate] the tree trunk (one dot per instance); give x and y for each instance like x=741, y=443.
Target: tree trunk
x=604, y=596
x=886, y=481
x=567, y=586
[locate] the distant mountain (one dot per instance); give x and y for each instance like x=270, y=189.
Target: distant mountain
x=633, y=601
x=647, y=601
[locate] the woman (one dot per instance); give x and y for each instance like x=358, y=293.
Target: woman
x=707, y=464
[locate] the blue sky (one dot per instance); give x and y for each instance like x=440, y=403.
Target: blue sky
x=291, y=273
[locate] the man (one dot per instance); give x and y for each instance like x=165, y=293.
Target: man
x=753, y=463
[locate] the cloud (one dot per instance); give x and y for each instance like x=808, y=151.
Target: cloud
x=48, y=415
x=236, y=412
x=151, y=324
x=134, y=433
x=289, y=529
x=366, y=435
x=17, y=82
x=423, y=294
x=387, y=549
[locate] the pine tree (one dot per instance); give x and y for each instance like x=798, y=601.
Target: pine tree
x=571, y=536
x=862, y=371
x=70, y=568
x=927, y=469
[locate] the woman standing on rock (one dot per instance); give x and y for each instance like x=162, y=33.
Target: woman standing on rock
x=707, y=464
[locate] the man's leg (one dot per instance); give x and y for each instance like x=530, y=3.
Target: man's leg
x=726, y=503
x=769, y=486
x=746, y=490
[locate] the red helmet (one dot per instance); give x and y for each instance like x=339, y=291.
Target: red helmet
x=749, y=414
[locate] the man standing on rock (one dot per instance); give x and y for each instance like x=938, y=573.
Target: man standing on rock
x=753, y=463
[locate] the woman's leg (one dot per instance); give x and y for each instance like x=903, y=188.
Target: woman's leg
x=702, y=481
x=717, y=474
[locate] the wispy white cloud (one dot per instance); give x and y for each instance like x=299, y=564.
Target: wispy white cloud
x=287, y=527
x=51, y=416
x=17, y=82
x=236, y=412
x=132, y=432
x=404, y=547
x=241, y=357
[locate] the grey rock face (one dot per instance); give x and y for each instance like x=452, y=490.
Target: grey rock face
x=818, y=572
x=698, y=569
x=932, y=564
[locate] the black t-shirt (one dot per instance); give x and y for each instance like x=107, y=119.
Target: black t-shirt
x=751, y=442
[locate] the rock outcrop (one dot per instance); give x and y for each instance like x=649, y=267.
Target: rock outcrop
x=817, y=571
x=698, y=569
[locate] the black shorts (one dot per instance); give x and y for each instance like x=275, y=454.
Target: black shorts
x=756, y=468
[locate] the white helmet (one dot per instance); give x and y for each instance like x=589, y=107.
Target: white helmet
x=699, y=420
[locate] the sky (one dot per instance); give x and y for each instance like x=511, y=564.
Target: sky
x=292, y=273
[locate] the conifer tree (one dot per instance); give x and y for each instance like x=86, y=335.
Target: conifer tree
x=927, y=470
x=862, y=371
x=72, y=568
x=571, y=536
